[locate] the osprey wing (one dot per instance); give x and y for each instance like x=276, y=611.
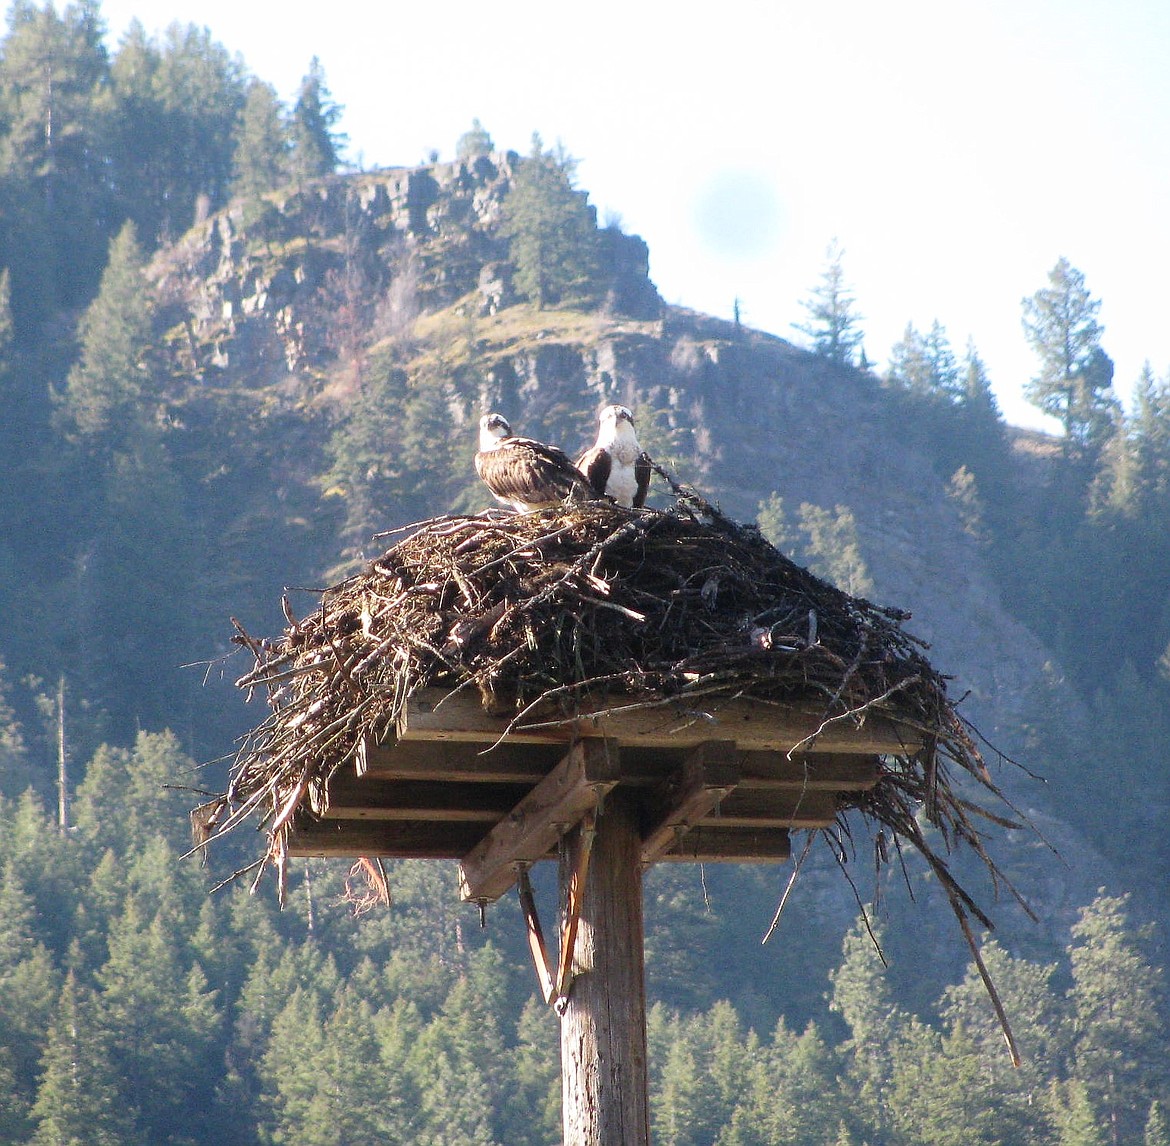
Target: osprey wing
x=642, y=470
x=596, y=464
x=529, y=474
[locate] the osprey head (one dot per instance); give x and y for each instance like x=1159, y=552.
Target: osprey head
x=616, y=425
x=493, y=429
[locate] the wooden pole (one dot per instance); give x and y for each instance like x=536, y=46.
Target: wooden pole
x=603, y=1028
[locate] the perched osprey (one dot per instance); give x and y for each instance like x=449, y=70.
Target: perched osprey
x=524, y=473
x=616, y=466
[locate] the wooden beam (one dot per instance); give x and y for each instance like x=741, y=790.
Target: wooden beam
x=374, y=798
x=527, y=833
x=781, y=808
x=452, y=760
x=431, y=714
x=706, y=844
x=707, y=775
x=828, y=771
x=511, y=763
x=387, y=839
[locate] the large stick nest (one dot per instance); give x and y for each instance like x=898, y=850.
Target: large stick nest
x=593, y=602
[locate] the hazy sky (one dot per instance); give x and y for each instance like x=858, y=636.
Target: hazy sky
x=955, y=150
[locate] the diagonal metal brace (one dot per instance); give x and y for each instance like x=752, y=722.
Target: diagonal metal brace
x=556, y=990
x=536, y=944
x=573, y=900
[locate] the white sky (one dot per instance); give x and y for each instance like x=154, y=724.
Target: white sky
x=955, y=148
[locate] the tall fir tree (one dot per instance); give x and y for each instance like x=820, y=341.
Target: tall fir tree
x=79, y=1102
x=54, y=107
x=105, y=389
x=1119, y=1007
x=176, y=103
x=833, y=325
x=315, y=141
x=260, y=158
x=474, y=142
x=1074, y=383
x=925, y=365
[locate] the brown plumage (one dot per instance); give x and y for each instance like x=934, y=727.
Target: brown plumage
x=524, y=473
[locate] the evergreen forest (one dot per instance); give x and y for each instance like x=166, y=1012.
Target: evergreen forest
x=231, y=363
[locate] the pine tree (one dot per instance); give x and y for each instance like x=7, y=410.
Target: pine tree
x=1073, y=1116
x=79, y=1102
x=862, y=996
x=54, y=107
x=925, y=365
x=260, y=158
x=315, y=142
x=1076, y=376
x=834, y=548
x=176, y=106
x=534, y=1117
x=1157, y=1131
x=1119, y=1045
x=834, y=324
x=552, y=230
x=105, y=389
x=474, y=143
x=28, y=991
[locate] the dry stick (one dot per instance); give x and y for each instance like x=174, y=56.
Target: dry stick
x=989, y=985
x=788, y=890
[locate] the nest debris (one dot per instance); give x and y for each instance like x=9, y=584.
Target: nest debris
x=595, y=603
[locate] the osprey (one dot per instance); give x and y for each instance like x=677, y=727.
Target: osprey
x=524, y=473
x=616, y=466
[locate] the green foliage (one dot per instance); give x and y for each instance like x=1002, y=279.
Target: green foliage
x=1076, y=376
x=474, y=142
x=552, y=230
x=106, y=389
x=55, y=112
x=1119, y=1013
x=260, y=158
x=827, y=541
x=80, y=1101
x=833, y=322
x=176, y=106
x=925, y=364
x=314, y=138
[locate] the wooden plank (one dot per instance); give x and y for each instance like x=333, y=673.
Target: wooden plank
x=374, y=798
x=707, y=775
x=430, y=714
x=706, y=844
x=387, y=839
x=527, y=833
x=448, y=760
x=461, y=761
x=829, y=772
x=780, y=808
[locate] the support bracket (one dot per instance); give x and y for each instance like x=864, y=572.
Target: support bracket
x=555, y=988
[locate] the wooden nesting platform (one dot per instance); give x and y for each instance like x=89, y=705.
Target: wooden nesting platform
x=710, y=784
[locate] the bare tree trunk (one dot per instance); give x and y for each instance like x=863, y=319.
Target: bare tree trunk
x=62, y=762
x=603, y=1028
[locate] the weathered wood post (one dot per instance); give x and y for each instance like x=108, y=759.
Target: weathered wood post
x=603, y=1025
